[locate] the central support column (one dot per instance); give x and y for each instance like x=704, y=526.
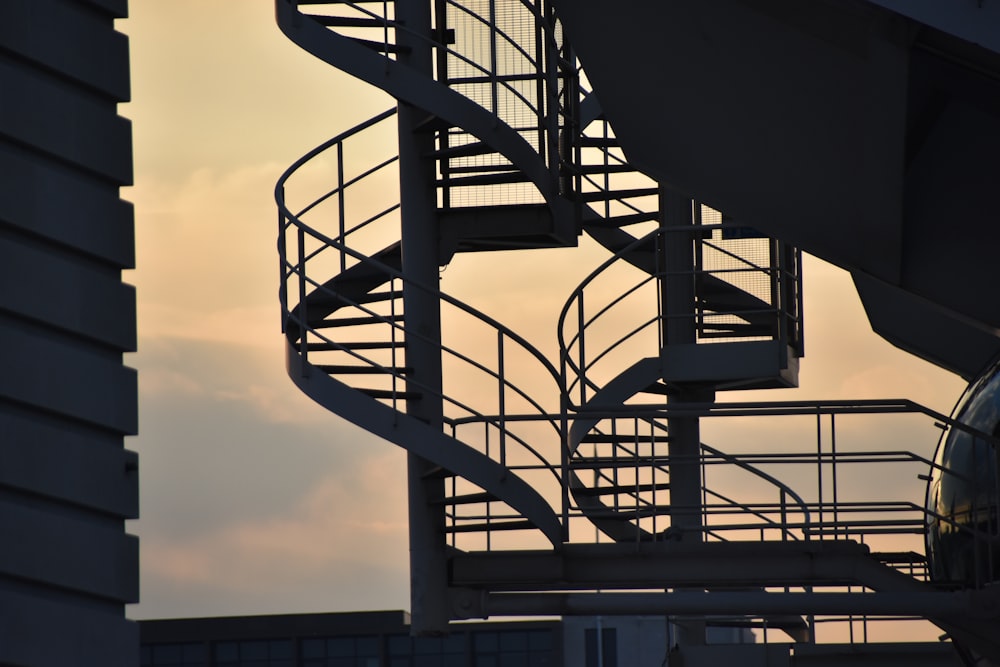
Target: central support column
x=422, y=312
x=678, y=293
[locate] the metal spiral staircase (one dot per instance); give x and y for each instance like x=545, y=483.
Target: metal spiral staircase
x=524, y=458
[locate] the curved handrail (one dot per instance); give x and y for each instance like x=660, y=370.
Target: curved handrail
x=392, y=76
x=575, y=300
x=299, y=325
x=581, y=381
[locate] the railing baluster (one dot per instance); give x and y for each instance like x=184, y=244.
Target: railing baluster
x=341, y=205
x=502, y=399
x=303, y=313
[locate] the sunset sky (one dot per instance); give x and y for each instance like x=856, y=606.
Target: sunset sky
x=253, y=499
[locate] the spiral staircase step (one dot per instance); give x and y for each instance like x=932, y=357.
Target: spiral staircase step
x=332, y=323
x=490, y=526
x=354, y=345
x=389, y=394
x=467, y=499
x=626, y=220
x=345, y=369
x=350, y=21
x=470, y=149
x=602, y=195
x=595, y=491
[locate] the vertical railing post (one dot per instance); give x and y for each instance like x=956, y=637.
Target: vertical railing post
x=782, y=504
x=774, y=269
x=833, y=474
x=494, y=81
x=581, y=358
x=283, y=262
x=341, y=207
x=819, y=466
x=679, y=298
x=564, y=455
x=501, y=402
x=303, y=313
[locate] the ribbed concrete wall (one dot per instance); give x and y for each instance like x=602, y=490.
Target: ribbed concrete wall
x=67, y=484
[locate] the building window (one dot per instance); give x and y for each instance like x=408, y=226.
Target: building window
x=607, y=654
x=188, y=654
x=513, y=648
x=340, y=652
x=258, y=653
x=447, y=651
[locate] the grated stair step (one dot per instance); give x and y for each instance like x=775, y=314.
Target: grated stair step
x=590, y=169
x=618, y=221
x=497, y=178
x=630, y=512
x=364, y=345
x=355, y=321
x=491, y=526
x=349, y=21
x=470, y=149
x=599, y=142
x=619, y=438
x=596, y=491
x=382, y=47
x=344, y=369
x=390, y=394
x=612, y=195
x=609, y=462
x=342, y=2
x=467, y=499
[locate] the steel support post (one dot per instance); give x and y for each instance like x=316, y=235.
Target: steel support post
x=678, y=307
x=422, y=312
x=677, y=253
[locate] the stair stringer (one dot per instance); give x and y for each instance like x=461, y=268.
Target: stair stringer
x=418, y=438
x=406, y=84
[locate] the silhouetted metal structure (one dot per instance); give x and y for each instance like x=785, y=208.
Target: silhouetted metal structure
x=579, y=484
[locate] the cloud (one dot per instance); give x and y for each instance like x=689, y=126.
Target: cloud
x=351, y=522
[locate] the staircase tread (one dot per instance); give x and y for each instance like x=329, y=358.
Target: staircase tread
x=595, y=491
x=354, y=345
x=495, y=178
x=617, y=221
x=609, y=438
x=388, y=393
x=350, y=21
x=467, y=499
x=355, y=321
x=382, y=47
x=500, y=524
x=347, y=369
x=606, y=195
x=463, y=150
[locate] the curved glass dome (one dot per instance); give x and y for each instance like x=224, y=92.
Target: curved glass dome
x=963, y=537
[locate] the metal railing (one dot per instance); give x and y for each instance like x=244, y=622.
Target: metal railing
x=313, y=255
x=605, y=335
x=480, y=60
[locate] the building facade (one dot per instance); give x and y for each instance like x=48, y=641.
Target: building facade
x=67, y=401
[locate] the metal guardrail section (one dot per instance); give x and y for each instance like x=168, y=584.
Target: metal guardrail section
x=619, y=306
x=356, y=333
x=502, y=58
